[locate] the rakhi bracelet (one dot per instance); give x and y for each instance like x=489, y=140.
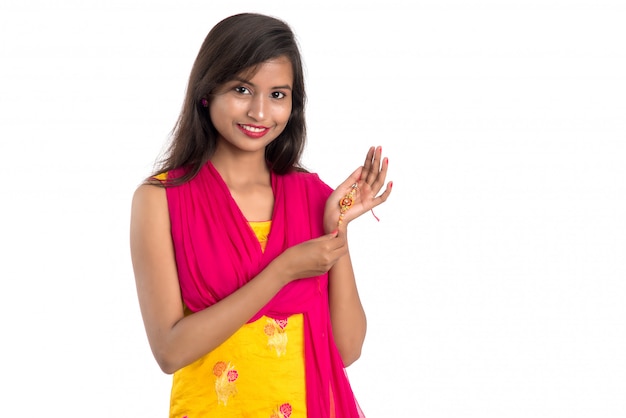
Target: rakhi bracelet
x=346, y=202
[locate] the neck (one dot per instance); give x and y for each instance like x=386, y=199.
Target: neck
x=238, y=170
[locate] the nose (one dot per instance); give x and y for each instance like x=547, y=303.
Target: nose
x=257, y=108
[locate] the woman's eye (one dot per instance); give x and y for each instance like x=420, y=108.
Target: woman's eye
x=278, y=95
x=242, y=90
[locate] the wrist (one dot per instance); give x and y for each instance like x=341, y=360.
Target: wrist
x=279, y=270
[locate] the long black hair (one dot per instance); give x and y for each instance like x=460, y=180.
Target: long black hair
x=236, y=45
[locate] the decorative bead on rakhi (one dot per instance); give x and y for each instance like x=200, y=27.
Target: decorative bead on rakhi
x=346, y=202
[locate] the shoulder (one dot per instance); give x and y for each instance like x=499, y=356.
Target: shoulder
x=149, y=198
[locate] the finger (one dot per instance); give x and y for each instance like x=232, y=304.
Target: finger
x=339, y=252
x=339, y=242
x=379, y=182
x=374, y=167
x=333, y=241
x=383, y=197
x=327, y=237
x=342, y=230
x=367, y=165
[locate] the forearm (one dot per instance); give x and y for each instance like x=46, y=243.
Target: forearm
x=197, y=334
x=347, y=314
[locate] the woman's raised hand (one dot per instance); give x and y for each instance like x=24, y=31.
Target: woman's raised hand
x=369, y=180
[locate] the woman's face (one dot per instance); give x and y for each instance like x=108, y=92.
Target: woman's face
x=250, y=111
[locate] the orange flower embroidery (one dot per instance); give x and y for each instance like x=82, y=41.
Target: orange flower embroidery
x=225, y=377
x=219, y=368
x=275, y=329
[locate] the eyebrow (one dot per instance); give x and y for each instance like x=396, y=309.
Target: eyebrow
x=243, y=80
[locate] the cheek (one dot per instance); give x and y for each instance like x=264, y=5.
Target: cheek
x=217, y=110
x=227, y=106
x=283, y=114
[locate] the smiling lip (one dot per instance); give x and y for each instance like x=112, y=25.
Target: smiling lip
x=253, y=131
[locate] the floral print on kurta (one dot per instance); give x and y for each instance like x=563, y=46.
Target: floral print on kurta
x=225, y=377
x=283, y=411
x=276, y=332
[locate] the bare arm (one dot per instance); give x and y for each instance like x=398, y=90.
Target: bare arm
x=177, y=340
x=347, y=314
x=346, y=311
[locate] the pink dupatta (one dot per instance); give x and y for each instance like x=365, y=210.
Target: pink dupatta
x=217, y=252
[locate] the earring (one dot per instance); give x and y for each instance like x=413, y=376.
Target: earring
x=204, y=102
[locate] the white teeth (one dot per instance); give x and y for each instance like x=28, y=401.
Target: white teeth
x=252, y=128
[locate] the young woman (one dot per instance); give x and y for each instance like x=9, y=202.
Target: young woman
x=241, y=259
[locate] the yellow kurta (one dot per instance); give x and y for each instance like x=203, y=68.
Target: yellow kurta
x=258, y=372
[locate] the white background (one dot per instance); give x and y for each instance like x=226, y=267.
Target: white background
x=494, y=282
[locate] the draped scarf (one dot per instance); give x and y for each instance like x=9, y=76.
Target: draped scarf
x=217, y=252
